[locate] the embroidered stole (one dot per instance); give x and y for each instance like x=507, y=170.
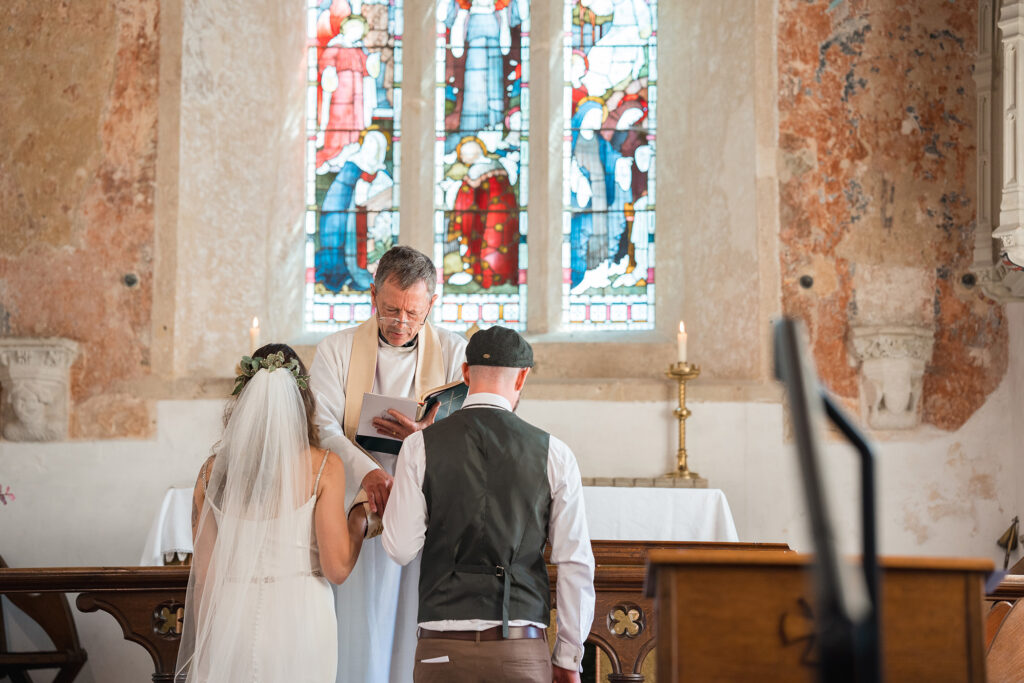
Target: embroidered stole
x=362, y=368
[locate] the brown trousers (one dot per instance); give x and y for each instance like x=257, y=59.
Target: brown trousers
x=525, y=660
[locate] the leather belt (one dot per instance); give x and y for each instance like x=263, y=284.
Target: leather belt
x=493, y=633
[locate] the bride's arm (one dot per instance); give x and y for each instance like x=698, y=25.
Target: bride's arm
x=338, y=538
x=199, y=494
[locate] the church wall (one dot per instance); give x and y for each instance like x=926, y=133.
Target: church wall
x=78, y=98
x=240, y=173
x=877, y=189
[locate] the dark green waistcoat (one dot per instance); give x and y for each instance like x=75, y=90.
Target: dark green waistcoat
x=488, y=505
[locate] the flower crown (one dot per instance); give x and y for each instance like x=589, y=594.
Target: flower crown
x=250, y=366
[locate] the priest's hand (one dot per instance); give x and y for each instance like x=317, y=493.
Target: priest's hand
x=560, y=675
x=377, y=485
x=399, y=426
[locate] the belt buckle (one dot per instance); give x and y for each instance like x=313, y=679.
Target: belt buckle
x=499, y=571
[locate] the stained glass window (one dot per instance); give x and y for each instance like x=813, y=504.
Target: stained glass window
x=481, y=147
x=353, y=100
x=610, y=99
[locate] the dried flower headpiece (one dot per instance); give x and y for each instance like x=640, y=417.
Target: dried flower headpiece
x=250, y=366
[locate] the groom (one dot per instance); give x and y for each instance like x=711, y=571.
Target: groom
x=395, y=353
x=480, y=492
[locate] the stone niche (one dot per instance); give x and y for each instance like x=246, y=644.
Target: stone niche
x=34, y=388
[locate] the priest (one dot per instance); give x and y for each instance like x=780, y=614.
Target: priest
x=394, y=353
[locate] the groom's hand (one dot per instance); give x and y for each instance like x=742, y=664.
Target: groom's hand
x=377, y=485
x=560, y=675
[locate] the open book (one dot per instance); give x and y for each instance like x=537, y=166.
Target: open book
x=450, y=397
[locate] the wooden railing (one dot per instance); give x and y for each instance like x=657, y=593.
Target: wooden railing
x=148, y=602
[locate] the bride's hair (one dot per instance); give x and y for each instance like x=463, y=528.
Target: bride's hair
x=308, y=402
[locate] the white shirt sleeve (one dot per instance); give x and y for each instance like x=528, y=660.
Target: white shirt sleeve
x=571, y=552
x=327, y=376
x=405, y=517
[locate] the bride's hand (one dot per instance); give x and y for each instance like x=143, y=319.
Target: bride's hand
x=377, y=485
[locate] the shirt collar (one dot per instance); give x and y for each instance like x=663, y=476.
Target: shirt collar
x=483, y=398
x=408, y=345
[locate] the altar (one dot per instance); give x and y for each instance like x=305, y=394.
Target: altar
x=613, y=514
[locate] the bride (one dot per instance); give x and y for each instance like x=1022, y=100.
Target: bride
x=270, y=532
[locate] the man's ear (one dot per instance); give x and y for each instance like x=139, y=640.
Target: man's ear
x=465, y=373
x=373, y=294
x=521, y=378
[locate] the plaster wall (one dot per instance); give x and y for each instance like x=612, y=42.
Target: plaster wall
x=78, y=101
x=877, y=189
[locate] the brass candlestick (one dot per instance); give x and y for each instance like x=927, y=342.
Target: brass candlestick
x=682, y=373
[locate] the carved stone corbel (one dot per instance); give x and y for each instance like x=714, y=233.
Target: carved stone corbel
x=34, y=376
x=892, y=362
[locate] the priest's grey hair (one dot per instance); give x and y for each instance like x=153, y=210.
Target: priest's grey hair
x=406, y=265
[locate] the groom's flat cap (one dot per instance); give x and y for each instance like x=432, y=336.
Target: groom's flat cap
x=499, y=346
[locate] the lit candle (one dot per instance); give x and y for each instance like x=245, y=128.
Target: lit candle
x=254, y=335
x=681, y=342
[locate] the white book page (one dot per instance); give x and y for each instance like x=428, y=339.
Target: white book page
x=375, y=405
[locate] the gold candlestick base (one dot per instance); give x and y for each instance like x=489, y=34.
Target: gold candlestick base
x=682, y=373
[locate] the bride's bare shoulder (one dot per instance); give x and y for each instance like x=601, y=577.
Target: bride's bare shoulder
x=317, y=457
x=204, y=471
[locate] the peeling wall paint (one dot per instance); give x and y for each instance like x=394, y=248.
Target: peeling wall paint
x=78, y=98
x=876, y=157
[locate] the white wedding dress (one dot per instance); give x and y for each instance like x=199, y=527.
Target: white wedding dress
x=258, y=607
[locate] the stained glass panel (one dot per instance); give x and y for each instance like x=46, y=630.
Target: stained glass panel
x=481, y=149
x=353, y=100
x=608, y=165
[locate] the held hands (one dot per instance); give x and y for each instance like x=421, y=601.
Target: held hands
x=560, y=675
x=377, y=485
x=399, y=426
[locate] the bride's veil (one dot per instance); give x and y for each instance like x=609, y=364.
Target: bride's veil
x=251, y=562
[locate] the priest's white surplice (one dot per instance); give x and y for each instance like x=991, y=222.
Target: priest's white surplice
x=377, y=604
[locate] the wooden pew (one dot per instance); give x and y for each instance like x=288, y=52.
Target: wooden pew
x=148, y=602
x=740, y=616
x=624, y=629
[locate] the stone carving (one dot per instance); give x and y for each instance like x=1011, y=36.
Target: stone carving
x=34, y=381
x=892, y=362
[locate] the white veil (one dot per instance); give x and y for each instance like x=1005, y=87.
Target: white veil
x=251, y=567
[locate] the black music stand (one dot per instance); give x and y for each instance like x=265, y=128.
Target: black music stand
x=846, y=622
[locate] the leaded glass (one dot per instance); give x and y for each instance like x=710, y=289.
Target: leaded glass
x=608, y=164
x=353, y=99
x=481, y=161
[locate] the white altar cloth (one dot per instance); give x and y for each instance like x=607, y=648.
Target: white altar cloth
x=658, y=514
x=171, y=531
x=613, y=514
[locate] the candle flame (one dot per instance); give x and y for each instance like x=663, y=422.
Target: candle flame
x=682, y=327
x=255, y=321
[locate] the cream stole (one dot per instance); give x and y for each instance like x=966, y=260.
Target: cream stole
x=362, y=368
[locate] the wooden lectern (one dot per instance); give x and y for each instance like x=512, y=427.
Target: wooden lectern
x=749, y=616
